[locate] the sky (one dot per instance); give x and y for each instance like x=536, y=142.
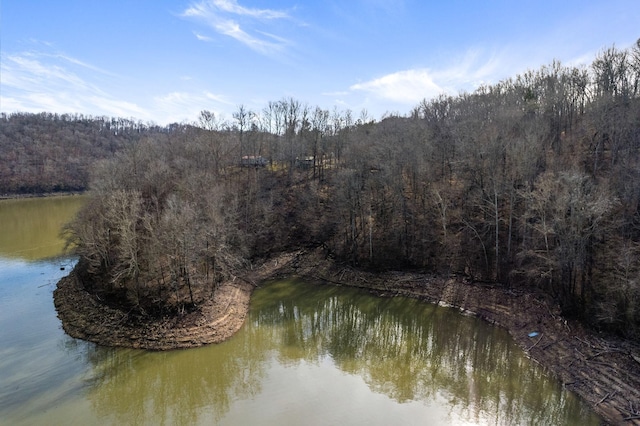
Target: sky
x=165, y=61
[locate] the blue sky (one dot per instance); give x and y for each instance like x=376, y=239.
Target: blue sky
x=165, y=61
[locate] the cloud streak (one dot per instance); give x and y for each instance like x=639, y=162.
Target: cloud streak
x=35, y=82
x=185, y=106
x=232, y=6
x=224, y=17
x=43, y=81
x=409, y=87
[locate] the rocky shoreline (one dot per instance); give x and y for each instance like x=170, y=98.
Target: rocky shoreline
x=603, y=370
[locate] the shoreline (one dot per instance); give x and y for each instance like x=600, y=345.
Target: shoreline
x=83, y=317
x=21, y=196
x=216, y=320
x=603, y=370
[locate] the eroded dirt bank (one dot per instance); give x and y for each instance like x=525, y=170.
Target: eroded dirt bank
x=84, y=317
x=603, y=370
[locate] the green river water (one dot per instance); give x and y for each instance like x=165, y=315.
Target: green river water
x=307, y=355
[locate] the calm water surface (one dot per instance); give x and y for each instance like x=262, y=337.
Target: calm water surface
x=310, y=355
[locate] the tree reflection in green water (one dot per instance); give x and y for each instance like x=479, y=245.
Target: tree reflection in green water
x=177, y=387
x=402, y=348
x=413, y=351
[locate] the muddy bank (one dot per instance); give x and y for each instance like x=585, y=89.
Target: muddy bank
x=83, y=316
x=603, y=370
x=86, y=318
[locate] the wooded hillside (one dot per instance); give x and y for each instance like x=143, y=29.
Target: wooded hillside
x=534, y=181
x=50, y=152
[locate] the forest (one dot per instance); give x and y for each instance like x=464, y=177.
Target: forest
x=532, y=182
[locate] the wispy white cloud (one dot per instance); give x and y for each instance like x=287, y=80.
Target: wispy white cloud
x=473, y=68
x=202, y=37
x=78, y=62
x=223, y=16
x=185, y=106
x=119, y=108
x=29, y=73
x=218, y=98
x=232, y=6
x=408, y=86
x=34, y=82
x=466, y=73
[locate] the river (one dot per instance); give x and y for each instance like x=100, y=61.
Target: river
x=313, y=355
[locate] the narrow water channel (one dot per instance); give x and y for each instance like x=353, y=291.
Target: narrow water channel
x=312, y=355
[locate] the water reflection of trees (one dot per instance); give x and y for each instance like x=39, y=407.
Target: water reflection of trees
x=402, y=348
x=412, y=351
x=178, y=387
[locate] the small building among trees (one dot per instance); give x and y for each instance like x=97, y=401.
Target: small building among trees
x=253, y=161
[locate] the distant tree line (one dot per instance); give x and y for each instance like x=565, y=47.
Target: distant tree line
x=49, y=152
x=531, y=182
